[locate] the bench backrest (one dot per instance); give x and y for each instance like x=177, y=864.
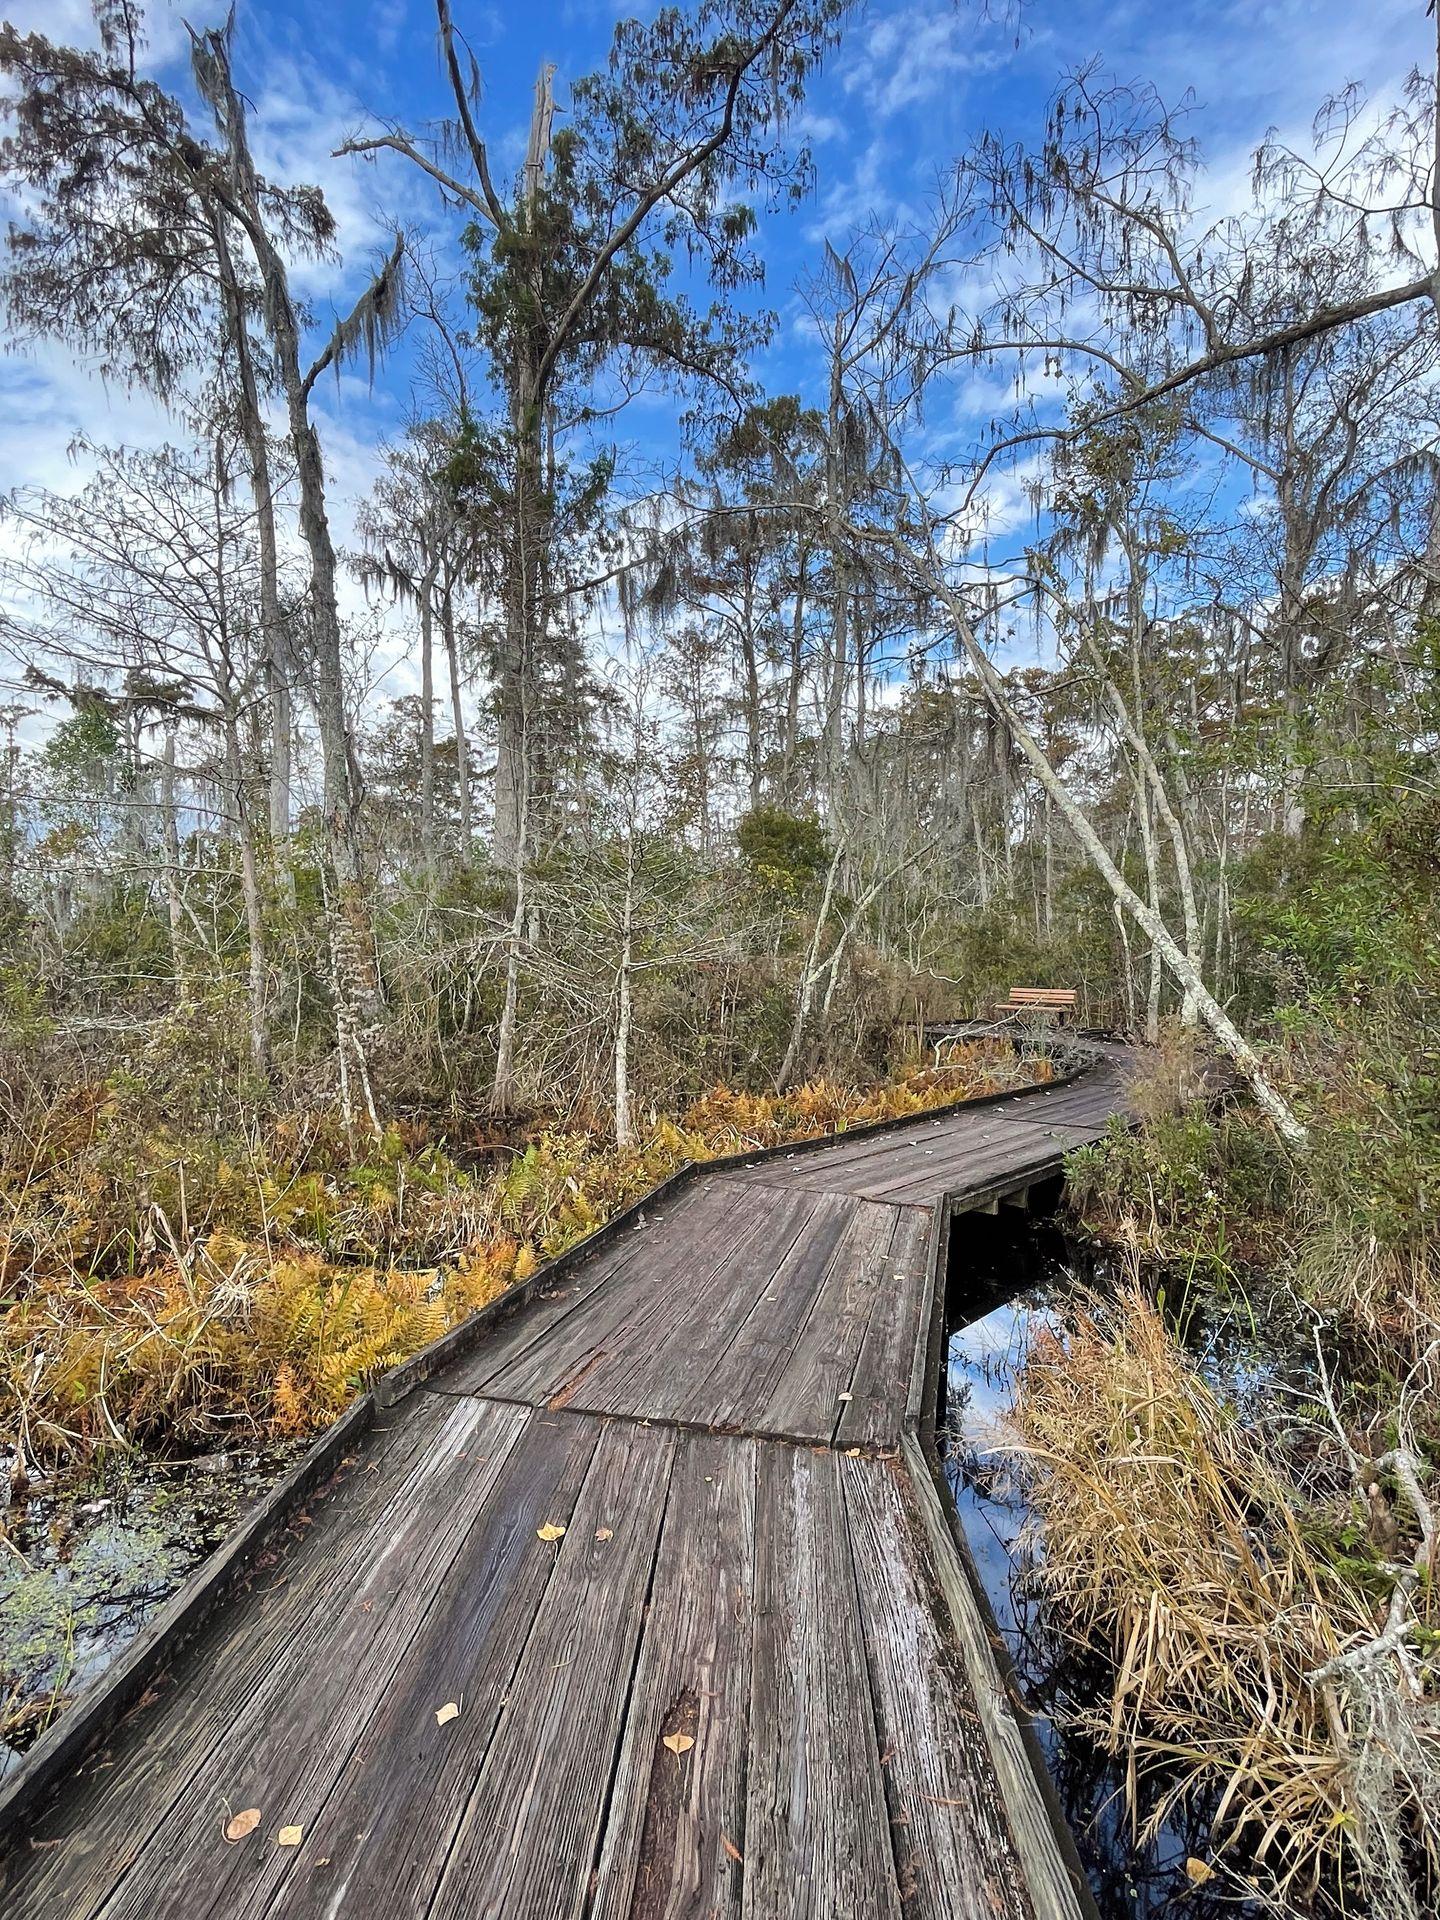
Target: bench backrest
x=1043, y=996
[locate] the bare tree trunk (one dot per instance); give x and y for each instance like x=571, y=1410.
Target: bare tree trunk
x=750, y=702
x=502, y=1091
x=624, y=1134
x=352, y=945
x=170, y=838
x=520, y=630
x=1231, y=1040
x=457, y=720
x=794, y=676
x=1132, y=727
x=502, y=1087
x=1152, y=881
x=427, y=722
x=279, y=661
x=250, y=891
x=810, y=977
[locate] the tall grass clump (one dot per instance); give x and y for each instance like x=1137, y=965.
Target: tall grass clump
x=1270, y=1631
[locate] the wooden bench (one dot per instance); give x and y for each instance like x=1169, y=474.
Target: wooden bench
x=1053, y=1003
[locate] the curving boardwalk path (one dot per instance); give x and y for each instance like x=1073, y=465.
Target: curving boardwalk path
x=748, y=1679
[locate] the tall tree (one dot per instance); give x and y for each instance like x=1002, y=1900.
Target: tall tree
x=689, y=108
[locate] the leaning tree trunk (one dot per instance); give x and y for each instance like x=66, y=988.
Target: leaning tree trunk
x=1226, y=1033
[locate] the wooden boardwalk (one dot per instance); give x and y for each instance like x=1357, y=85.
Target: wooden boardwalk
x=748, y=1679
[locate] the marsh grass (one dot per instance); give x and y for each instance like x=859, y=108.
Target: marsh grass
x=1223, y=1586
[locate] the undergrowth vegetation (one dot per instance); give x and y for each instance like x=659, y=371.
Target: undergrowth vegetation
x=160, y=1288
x=1264, y=1588
x=1243, y=1607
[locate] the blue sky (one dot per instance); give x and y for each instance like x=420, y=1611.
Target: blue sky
x=913, y=81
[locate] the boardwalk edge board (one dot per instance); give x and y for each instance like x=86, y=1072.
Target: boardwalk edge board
x=1057, y=1880
x=61, y=1750
x=1053, y=1871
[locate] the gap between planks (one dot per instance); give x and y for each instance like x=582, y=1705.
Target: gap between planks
x=664, y=1423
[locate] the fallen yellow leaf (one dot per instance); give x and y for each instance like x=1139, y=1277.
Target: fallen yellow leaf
x=603, y=1533
x=549, y=1531
x=679, y=1742
x=852, y=1453
x=444, y=1715
x=1198, y=1871
x=240, y=1824
x=289, y=1836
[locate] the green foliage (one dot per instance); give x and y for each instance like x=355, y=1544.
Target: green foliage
x=1206, y=1193
x=82, y=743
x=786, y=852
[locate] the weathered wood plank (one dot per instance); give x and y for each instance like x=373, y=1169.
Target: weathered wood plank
x=620, y=1322
x=1089, y=1102
x=527, y=1840
x=880, y=1382
x=905, y=1159
x=377, y=1837
x=817, y=1843
x=498, y=1365
x=276, y=1754
x=954, y=1850
x=104, y=1820
x=675, y=1837
x=654, y=1381
x=760, y=1352
x=806, y=1398
x=1018, y=1151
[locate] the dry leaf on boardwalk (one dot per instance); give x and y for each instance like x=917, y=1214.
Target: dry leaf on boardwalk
x=549, y=1531
x=604, y=1533
x=679, y=1742
x=240, y=1824
x=731, y=1850
x=450, y=1711
x=289, y=1836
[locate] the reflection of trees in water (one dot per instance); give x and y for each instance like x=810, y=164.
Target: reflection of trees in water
x=1005, y=1277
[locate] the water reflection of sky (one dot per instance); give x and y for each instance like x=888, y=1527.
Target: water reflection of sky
x=1008, y=1278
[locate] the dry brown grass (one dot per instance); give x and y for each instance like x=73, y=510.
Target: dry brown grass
x=1176, y=1540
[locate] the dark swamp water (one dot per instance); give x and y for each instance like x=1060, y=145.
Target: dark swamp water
x=1009, y=1274
x=86, y=1560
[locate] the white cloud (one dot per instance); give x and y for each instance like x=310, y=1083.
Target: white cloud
x=909, y=57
